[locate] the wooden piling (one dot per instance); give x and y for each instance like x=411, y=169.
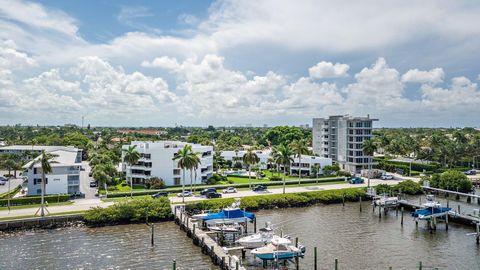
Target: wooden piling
x=360, y=199
x=401, y=220
x=448, y=203
x=396, y=210
x=174, y=267
x=446, y=222
x=244, y=253
x=315, y=258
x=236, y=265
x=420, y=265
x=336, y=264
x=343, y=200
x=152, y=240
x=458, y=206
x=255, y=225
x=469, y=199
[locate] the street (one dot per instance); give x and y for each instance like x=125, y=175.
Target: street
x=13, y=184
x=85, y=182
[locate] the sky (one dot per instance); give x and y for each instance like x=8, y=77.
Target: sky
x=228, y=63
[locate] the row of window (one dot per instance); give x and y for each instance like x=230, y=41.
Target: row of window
x=360, y=124
x=359, y=160
x=360, y=131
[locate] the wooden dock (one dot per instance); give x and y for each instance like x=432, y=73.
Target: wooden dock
x=469, y=196
x=201, y=238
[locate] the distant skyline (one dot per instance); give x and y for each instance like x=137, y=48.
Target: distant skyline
x=227, y=63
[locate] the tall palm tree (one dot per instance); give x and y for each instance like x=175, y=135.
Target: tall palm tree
x=45, y=161
x=283, y=156
x=250, y=158
x=369, y=147
x=131, y=157
x=195, y=160
x=299, y=148
x=185, y=161
x=273, y=154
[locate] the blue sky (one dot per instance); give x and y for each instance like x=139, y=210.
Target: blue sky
x=225, y=62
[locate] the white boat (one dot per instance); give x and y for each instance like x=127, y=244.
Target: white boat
x=431, y=208
x=278, y=249
x=260, y=239
x=430, y=202
x=226, y=226
x=385, y=201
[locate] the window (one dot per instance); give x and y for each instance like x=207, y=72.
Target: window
x=34, y=170
x=359, y=153
x=359, y=124
x=359, y=139
x=350, y=124
x=176, y=181
x=367, y=124
x=350, y=145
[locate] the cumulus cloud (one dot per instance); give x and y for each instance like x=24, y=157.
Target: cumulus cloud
x=10, y=58
x=324, y=70
x=432, y=76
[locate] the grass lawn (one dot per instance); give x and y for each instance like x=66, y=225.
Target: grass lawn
x=269, y=174
x=33, y=205
x=50, y=215
x=242, y=180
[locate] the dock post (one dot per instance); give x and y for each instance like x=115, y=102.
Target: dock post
x=448, y=203
x=223, y=263
x=373, y=206
x=434, y=225
x=459, y=209
x=469, y=199
x=478, y=200
x=296, y=242
x=360, y=199
x=396, y=210
x=379, y=212
x=420, y=266
x=174, y=265
x=243, y=253
x=401, y=221
x=336, y=264
x=343, y=199
x=194, y=225
x=446, y=222
x=152, y=240
x=478, y=233
x=315, y=258
x=246, y=225
x=255, y=225
x=236, y=265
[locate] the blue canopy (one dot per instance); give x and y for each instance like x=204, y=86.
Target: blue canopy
x=230, y=214
x=428, y=211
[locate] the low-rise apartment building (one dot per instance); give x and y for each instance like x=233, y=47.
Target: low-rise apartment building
x=157, y=161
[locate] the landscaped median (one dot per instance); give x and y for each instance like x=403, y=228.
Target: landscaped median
x=283, y=200
x=245, y=185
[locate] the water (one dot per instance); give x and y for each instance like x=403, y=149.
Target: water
x=357, y=240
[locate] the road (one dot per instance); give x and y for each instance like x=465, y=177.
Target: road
x=13, y=184
x=85, y=182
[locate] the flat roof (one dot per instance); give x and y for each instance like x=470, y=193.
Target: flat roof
x=47, y=148
x=62, y=158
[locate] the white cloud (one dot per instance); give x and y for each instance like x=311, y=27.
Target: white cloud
x=162, y=62
x=10, y=58
x=328, y=70
x=433, y=76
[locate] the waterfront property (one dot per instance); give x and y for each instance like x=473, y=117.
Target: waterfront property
x=341, y=137
x=64, y=178
x=156, y=160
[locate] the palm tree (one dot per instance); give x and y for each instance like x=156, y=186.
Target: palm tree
x=273, y=154
x=316, y=170
x=195, y=163
x=131, y=157
x=44, y=160
x=250, y=158
x=368, y=148
x=283, y=156
x=185, y=161
x=299, y=148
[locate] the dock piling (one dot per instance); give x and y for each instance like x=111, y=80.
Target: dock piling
x=336, y=264
x=152, y=240
x=401, y=220
x=174, y=267
x=446, y=222
x=255, y=225
x=420, y=266
x=459, y=208
x=360, y=199
x=315, y=258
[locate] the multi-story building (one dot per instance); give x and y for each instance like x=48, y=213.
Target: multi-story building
x=157, y=161
x=305, y=167
x=341, y=138
x=36, y=149
x=64, y=177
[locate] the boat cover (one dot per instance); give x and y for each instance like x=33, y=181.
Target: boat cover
x=428, y=211
x=229, y=214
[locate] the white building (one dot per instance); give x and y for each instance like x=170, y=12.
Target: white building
x=65, y=175
x=305, y=167
x=341, y=138
x=36, y=149
x=157, y=161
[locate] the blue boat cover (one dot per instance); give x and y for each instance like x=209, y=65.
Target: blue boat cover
x=230, y=214
x=428, y=211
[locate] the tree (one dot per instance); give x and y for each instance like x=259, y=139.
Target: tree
x=369, y=147
x=44, y=160
x=315, y=170
x=250, y=158
x=283, y=156
x=185, y=161
x=131, y=157
x=299, y=148
x=455, y=180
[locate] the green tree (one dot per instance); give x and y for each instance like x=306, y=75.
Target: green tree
x=185, y=161
x=131, y=157
x=455, y=180
x=250, y=158
x=299, y=148
x=369, y=147
x=283, y=156
x=44, y=161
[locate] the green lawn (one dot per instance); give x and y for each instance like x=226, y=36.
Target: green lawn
x=50, y=215
x=242, y=180
x=33, y=205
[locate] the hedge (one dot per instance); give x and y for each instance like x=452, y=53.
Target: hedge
x=35, y=200
x=244, y=185
x=133, y=211
x=12, y=192
x=283, y=200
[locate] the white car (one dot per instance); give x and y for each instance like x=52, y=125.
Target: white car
x=184, y=194
x=230, y=190
x=2, y=182
x=387, y=177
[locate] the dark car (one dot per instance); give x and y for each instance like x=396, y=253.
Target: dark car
x=208, y=190
x=93, y=184
x=471, y=172
x=160, y=194
x=259, y=188
x=90, y=174
x=213, y=194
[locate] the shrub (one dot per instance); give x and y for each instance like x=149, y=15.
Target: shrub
x=35, y=200
x=130, y=212
x=455, y=180
x=155, y=183
x=275, y=178
x=408, y=187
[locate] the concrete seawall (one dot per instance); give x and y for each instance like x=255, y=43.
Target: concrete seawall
x=40, y=222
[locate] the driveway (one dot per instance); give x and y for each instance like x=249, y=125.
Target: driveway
x=13, y=184
x=85, y=182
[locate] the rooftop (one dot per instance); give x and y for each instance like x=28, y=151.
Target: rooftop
x=62, y=158
x=47, y=148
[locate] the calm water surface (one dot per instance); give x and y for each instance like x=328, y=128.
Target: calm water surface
x=357, y=240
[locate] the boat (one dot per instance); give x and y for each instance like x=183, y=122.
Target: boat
x=385, y=201
x=279, y=248
x=431, y=208
x=231, y=213
x=226, y=226
x=260, y=239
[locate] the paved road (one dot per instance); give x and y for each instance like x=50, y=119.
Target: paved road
x=85, y=182
x=13, y=184
x=290, y=189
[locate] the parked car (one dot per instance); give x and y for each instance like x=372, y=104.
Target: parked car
x=471, y=172
x=230, y=190
x=213, y=194
x=2, y=182
x=259, y=188
x=93, y=184
x=207, y=190
x=184, y=194
x=90, y=174
x=160, y=194
x=387, y=177
x=3, y=178
x=77, y=194
x=356, y=180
